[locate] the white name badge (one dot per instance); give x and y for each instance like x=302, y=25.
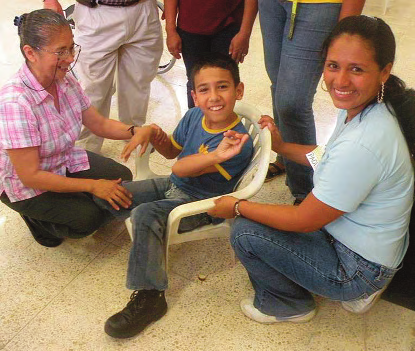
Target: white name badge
x=314, y=157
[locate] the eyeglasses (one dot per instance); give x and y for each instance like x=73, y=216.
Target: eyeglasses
x=65, y=53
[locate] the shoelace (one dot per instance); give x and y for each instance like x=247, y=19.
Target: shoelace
x=137, y=300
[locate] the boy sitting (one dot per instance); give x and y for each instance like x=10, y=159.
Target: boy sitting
x=213, y=149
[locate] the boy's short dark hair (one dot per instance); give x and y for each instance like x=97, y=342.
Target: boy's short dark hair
x=215, y=60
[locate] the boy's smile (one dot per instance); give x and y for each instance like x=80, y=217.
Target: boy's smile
x=215, y=94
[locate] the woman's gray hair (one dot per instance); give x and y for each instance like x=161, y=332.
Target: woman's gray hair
x=38, y=27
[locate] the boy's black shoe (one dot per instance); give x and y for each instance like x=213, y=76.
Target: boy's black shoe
x=144, y=308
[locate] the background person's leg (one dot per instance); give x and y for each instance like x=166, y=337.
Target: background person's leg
x=138, y=60
x=221, y=41
x=300, y=70
x=100, y=32
x=272, y=16
x=193, y=46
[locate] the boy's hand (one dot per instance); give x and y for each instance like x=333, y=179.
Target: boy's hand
x=230, y=145
x=141, y=137
x=267, y=121
x=113, y=192
x=224, y=207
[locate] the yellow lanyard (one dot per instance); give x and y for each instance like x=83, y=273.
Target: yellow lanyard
x=292, y=21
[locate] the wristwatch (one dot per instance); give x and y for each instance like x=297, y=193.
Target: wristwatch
x=131, y=130
x=236, y=208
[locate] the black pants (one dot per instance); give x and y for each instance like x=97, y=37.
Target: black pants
x=195, y=45
x=402, y=288
x=73, y=215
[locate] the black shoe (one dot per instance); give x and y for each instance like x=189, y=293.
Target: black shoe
x=298, y=201
x=144, y=308
x=43, y=237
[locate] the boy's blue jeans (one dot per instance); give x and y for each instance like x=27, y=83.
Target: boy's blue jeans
x=285, y=268
x=153, y=200
x=294, y=68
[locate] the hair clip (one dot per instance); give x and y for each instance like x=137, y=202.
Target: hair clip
x=18, y=20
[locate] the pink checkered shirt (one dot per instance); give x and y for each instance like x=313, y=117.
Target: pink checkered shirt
x=29, y=118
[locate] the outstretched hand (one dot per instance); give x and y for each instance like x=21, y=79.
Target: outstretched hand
x=113, y=192
x=267, y=121
x=231, y=145
x=143, y=136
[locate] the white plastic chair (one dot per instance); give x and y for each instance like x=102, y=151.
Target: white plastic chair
x=249, y=184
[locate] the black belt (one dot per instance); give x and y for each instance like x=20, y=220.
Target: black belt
x=93, y=3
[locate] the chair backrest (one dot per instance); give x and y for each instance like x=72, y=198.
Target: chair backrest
x=258, y=167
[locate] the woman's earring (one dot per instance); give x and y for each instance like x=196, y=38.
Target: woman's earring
x=322, y=86
x=381, y=93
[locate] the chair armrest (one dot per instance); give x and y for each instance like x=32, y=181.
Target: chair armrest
x=196, y=207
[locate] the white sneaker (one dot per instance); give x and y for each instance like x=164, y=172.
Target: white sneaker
x=248, y=309
x=361, y=306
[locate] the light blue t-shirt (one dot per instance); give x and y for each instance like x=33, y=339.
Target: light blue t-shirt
x=366, y=172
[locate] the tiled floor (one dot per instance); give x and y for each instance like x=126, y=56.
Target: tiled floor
x=59, y=299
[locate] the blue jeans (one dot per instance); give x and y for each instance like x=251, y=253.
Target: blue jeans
x=153, y=200
x=294, y=68
x=285, y=268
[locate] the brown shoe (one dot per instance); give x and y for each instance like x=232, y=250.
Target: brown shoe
x=274, y=170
